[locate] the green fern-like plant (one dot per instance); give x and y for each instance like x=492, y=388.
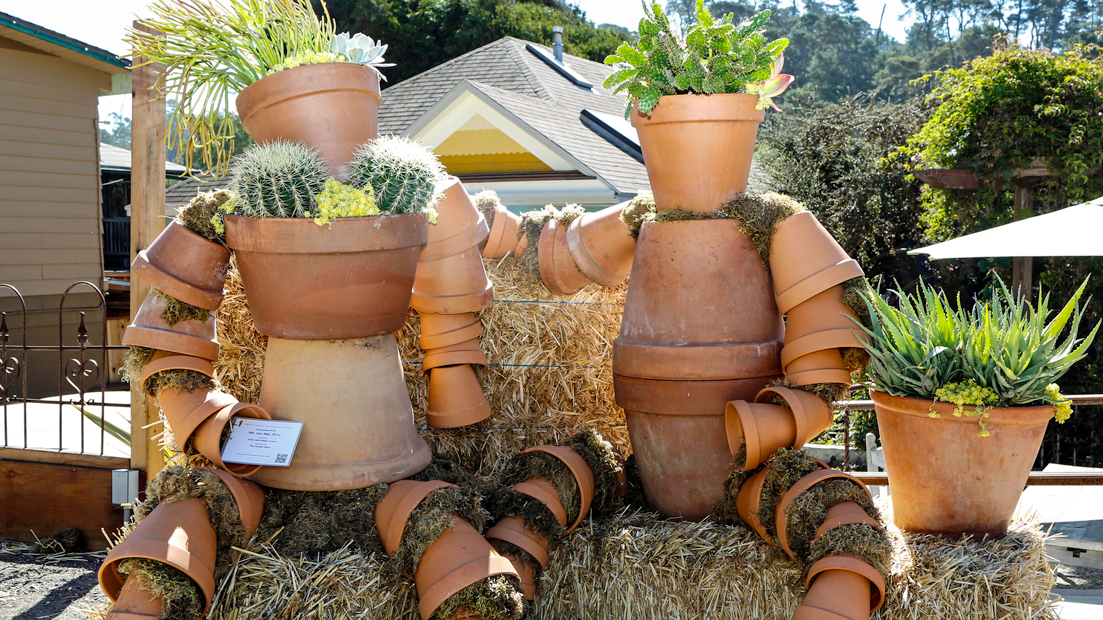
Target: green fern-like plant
x=278, y=179
x=715, y=57
x=403, y=174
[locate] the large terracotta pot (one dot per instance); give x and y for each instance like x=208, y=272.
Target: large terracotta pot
x=133, y=603
x=310, y=282
x=455, y=397
x=698, y=148
x=249, y=498
x=358, y=423
x=807, y=482
x=184, y=265
x=805, y=260
x=503, y=234
x=459, y=224
x=558, y=270
x=602, y=245
x=947, y=480
x=331, y=107
x=178, y=534
x=455, y=284
x=149, y=329
x=841, y=587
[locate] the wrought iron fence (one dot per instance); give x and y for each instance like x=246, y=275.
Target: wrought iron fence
x=81, y=366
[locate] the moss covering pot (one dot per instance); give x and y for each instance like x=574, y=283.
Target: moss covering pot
x=583, y=476
x=558, y=270
x=150, y=329
x=309, y=282
x=841, y=587
x=947, y=480
x=330, y=107
x=698, y=148
x=845, y=513
x=515, y=531
x=459, y=224
x=248, y=496
x=455, y=397
x=602, y=245
x=804, y=484
x=184, y=265
x=806, y=260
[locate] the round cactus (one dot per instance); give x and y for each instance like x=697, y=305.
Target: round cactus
x=278, y=179
x=403, y=174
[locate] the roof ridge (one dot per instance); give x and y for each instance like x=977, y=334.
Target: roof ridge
x=526, y=69
x=452, y=61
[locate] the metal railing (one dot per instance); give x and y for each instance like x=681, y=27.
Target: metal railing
x=80, y=366
x=116, y=243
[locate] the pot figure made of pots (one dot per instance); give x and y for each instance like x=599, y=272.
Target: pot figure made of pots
x=699, y=307
x=806, y=260
x=179, y=534
x=456, y=284
x=947, y=480
x=558, y=270
x=184, y=265
x=330, y=107
x=455, y=397
x=503, y=237
x=358, y=425
x=602, y=245
x=149, y=329
x=678, y=435
x=841, y=587
x=698, y=148
x=310, y=282
x=807, y=482
x=460, y=225
x=249, y=498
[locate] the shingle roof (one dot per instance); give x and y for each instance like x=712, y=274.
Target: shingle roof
x=117, y=159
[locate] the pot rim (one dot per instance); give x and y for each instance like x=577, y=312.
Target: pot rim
x=583, y=475
x=249, y=99
x=853, y=564
x=700, y=108
x=396, y=528
x=270, y=235
x=1013, y=415
x=806, y=482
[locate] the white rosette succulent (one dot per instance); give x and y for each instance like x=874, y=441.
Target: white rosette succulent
x=361, y=49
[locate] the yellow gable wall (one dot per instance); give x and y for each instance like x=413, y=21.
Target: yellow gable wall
x=485, y=150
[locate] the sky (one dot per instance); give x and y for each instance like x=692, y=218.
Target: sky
x=102, y=23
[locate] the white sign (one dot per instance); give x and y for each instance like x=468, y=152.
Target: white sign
x=261, y=442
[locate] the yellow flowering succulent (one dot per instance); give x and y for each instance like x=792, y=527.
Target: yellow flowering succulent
x=1062, y=405
x=308, y=58
x=339, y=200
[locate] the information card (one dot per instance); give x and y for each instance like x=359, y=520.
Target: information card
x=262, y=442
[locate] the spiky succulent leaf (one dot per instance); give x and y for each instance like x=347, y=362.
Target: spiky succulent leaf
x=403, y=174
x=277, y=179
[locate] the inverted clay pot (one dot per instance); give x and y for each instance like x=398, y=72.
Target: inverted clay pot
x=503, y=234
x=449, y=338
x=208, y=437
x=824, y=366
x=841, y=587
x=820, y=323
x=149, y=329
x=178, y=534
x=184, y=265
x=330, y=107
x=455, y=397
x=433, y=325
x=602, y=245
x=249, y=498
x=452, y=285
x=805, y=260
x=947, y=480
x=811, y=414
x=310, y=282
x=558, y=270
x=358, y=423
x=186, y=411
x=163, y=360
x=679, y=437
x=583, y=476
x=845, y=513
x=466, y=352
x=514, y=531
x=807, y=482
x=748, y=501
x=460, y=224
x=544, y=492
x=698, y=148
x=394, y=510
x=134, y=603
x=763, y=428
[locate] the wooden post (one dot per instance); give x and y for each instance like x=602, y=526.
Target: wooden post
x=147, y=208
x=1022, y=267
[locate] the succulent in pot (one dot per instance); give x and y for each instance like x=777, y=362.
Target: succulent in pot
x=697, y=102
x=963, y=398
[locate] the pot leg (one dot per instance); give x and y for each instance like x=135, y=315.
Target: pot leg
x=135, y=604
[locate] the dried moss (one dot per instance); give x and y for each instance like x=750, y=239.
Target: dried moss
x=873, y=546
x=432, y=517
x=181, y=598
x=787, y=467
x=634, y=497
x=532, y=222
x=529, y=465
x=487, y=202
x=316, y=523
x=135, y=363
x=829, y=393
x=806, y=514
x=856, y=291
x=448, y=471
x=726, y=512
x=498, y=597
x=509, y=503
x=180, y=379
x=633, y=215
x=508, y=548
x=177, y=311
x=198, y=216
x=607, y=468
x=569, y=214
x=175, y=484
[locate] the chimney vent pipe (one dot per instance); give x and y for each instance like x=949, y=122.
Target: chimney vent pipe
x=558, y=32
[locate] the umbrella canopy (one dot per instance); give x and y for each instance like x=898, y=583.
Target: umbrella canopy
x=1074, y=231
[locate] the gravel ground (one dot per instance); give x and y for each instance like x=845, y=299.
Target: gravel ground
x=36, y=587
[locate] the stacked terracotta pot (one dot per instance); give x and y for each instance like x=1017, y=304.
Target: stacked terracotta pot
x=808, y=268
x=449, y=287
x=761, y=428
x=596, y=247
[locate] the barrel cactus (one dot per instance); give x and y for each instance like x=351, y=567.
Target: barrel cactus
x=278, y=179
x=403, y=174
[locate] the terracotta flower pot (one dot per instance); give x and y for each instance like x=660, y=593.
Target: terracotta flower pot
x=820, y=323
x=503, y=234
x=184, y=265
x=454, y=337
x=208, y=436
x=583, y=476
x=437, y=324
x=358, y=423
x=762, y=428
x=805, y=260
x=810, y=413
x=698, y=148
x=459, y=225
x=795, y=491
x=841, y=587
x=186, y=411
x=544, y=492
x=310, y=282
x=947, y=480
x=522, y=243
x=602, y=245
x=466, y=352
x=748, y=501
x=331, y=107
x=845, y=513
x=163, y=360
x=178, y=534
x=558, y=270
x=133, y=603
x=453, y=285
x=186, y=337
x=392, y=513
x=455, y=397
x=514, y=531
x=249, y=498
x=824, y=366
